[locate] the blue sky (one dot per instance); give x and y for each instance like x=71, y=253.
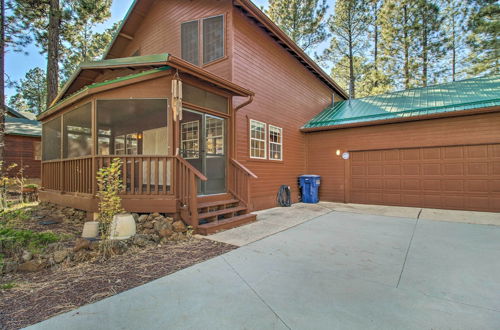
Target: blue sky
x=17, y=65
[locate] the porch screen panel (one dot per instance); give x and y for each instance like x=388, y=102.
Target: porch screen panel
x=203, y=98
x=51, y=139
x=77, y=138
x=189, y=42
x=213, y=38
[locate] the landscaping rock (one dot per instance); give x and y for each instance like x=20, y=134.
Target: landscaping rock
x=27, y=256
x=155, y=215
x=143, y=218
x=9, y=267
x=136, y=217
x=81, y=256
x=170, y=220
x=141, y=240
x=148, y=225
x=60, y=256
x=81, y=244
x=32, y=266
x=166, y=232
x=179, y=226
x=162, y=224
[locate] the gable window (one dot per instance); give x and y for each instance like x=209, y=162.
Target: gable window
x=202, y=41
x=275, y=143
x=190, y=41
x=257, y=139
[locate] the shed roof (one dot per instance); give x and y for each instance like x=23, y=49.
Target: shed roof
x=22, y=126
x=466, y=94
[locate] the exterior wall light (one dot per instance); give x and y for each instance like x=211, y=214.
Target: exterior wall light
x=337, y=152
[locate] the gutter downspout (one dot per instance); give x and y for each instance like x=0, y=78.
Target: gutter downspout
x=233, y=122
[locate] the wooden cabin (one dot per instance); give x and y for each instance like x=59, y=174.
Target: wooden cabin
x=246, y=91
x=23, y=145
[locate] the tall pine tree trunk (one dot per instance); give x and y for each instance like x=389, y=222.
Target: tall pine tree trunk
x=453, y=50
x=2, y=79
x=406, y=47
x=53, y=51
x=424, y=56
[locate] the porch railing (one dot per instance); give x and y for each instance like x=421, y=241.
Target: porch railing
x=240, y=183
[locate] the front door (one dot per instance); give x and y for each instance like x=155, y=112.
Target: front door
x=203, y=145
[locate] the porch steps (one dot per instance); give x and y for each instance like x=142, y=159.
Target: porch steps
x=213, y=227
x=217, y=213
x=221, y=212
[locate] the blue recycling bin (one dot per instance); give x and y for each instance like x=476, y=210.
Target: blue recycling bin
x=309, y=185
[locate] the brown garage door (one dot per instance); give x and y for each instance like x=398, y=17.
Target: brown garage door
x=457, y=177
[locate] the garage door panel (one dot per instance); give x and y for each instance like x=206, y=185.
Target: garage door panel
x=453, y=185
x=410, y=169
x=453, y=169
x=477, y=152
x=410, y=184
x=458, y=177
x=431, y=153
x=431, y=185
x=453, y=153
x=477, y=168
x=431, y=169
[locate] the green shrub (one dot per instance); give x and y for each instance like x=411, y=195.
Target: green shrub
x=7, y=286
x=12, y=239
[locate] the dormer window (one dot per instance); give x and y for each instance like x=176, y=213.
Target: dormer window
x=211, y=40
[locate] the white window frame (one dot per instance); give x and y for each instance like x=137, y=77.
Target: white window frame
x=251, y=138
x=195, y=123
x=271, y=127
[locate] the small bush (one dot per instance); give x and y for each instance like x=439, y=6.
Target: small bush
x=110, y=203
x=7, y=286
x=13, y=239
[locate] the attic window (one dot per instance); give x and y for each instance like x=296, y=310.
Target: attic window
x=207, y=32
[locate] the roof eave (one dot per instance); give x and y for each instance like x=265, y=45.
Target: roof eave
x=403, y=119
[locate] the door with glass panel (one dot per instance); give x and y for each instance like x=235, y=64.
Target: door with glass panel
x=203, y=145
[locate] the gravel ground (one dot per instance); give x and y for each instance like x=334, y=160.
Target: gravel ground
x=39, y=296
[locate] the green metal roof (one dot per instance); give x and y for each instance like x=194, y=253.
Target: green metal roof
x=455, y=96
x=22, y=126
x=108, y=82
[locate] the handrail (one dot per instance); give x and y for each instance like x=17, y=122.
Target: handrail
x=241, y=166
x=192, y=168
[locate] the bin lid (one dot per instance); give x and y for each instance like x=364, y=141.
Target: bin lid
x=309, y=176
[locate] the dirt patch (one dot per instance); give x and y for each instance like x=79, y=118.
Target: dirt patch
x=39, y=296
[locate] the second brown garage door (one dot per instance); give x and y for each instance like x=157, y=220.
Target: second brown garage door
x=456, y=177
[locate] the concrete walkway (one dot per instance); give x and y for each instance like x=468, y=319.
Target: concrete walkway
x=337, y=271
x=275, y=220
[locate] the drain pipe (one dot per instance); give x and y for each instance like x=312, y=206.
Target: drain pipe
x=233, y=126
x=244, y=104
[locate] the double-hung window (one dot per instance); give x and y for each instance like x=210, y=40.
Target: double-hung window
x=257, y=139
x=275, y=143
x=207, y=32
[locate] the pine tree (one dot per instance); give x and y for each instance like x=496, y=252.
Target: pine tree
x=86, y=46
x=483, y=40
x=398, y=20
x=13, y=38
x=302, y=20
x=54, y=24
x=31, y=92
x=349, y=29
x=455, y=16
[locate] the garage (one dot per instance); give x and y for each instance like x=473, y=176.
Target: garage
x=433, y=147
x=448, y=177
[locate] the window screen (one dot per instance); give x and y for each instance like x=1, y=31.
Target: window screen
x=213, y=38
x=51, y=137
x=78, y=132
x=189, y=40
x=204, y=98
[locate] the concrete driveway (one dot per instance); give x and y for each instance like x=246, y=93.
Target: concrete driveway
x=337, y=271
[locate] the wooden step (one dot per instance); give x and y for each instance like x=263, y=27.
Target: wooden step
x=214, y=198
x=217, y=203
x=213, y=227
x=221, y=212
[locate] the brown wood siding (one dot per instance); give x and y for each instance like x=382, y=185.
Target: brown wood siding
x=286, y=95
x=339, y=176
x=160, y=31
x=20, y=150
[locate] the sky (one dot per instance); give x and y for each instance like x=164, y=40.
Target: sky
x=17, y=64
